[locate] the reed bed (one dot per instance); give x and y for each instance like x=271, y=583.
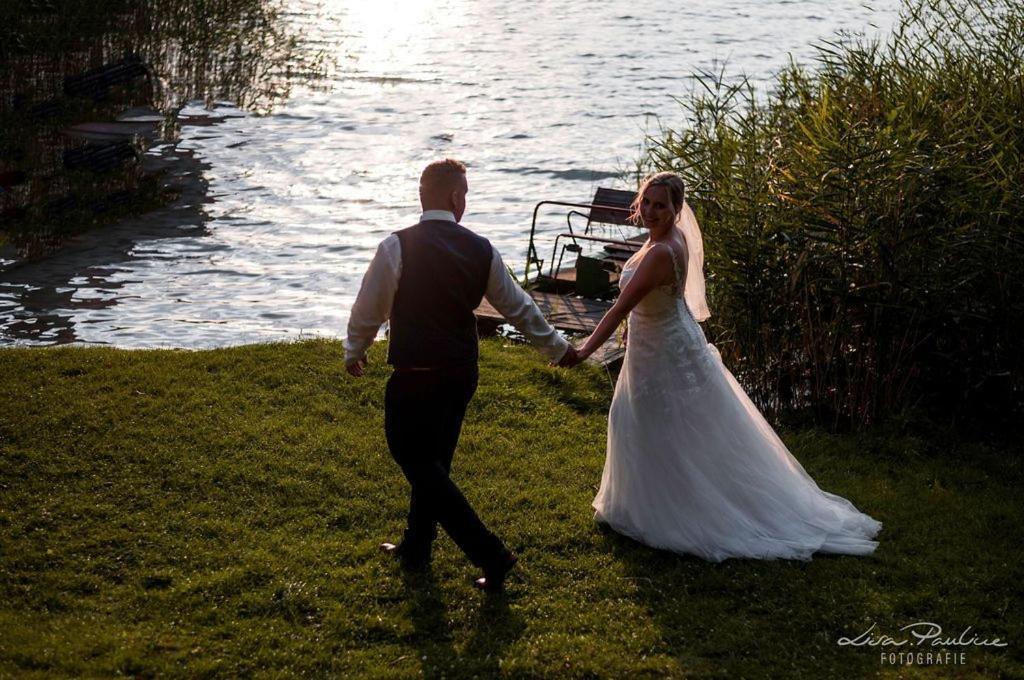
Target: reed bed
x=863, y=219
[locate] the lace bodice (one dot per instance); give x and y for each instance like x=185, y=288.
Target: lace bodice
x=670, y=292
x=662, y=315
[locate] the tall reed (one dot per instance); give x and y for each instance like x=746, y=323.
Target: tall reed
x=863, y=219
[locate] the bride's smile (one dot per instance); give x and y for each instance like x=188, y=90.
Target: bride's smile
x=656, y=211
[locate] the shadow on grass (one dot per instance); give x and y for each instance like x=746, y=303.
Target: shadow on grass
x=495, y=628
x=728, y=618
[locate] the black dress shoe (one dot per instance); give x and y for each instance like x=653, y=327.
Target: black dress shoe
x=409, y=562
x=493, y=580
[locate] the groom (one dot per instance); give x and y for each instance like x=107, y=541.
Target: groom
x=427, y=279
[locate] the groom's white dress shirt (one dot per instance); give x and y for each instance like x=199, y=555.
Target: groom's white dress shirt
x=373, y=303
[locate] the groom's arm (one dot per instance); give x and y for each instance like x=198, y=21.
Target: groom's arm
x=373, y=302
x=515, y=304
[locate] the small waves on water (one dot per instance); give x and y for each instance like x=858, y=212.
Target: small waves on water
x=279, y=214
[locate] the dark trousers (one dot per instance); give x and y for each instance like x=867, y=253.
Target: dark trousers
x=423, y=412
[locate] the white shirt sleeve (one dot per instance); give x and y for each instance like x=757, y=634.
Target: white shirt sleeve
x=373, y=302
x=516, y=305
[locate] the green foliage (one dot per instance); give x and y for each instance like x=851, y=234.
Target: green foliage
x=863, y=220
x=217, y=513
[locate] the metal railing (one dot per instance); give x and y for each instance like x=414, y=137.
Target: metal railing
x=531, y=253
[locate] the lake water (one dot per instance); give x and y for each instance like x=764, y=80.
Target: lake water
x=282, y=212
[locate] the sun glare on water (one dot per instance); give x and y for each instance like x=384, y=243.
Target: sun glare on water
x=391, y=36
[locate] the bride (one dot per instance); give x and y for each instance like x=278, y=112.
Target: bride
x=692, y=466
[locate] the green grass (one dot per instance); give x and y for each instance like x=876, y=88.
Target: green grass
x=217, y=513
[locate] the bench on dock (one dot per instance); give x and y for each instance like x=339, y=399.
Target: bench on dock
x=591, y=276
x=572, y=297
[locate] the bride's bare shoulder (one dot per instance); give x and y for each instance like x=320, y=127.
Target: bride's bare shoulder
x=658, y=253
x=673, y=249
x=656, y=263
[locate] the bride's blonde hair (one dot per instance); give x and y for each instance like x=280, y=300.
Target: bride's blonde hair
x=671, y=181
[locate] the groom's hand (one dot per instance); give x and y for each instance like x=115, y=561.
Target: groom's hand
x=356, y=368
x=570, y=358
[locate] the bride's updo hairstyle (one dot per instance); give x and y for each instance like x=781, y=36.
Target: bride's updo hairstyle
x=669, y=180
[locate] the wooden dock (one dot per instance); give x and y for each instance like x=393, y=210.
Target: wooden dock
x=567, y=313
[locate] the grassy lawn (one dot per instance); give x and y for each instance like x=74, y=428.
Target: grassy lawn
x=217, y=513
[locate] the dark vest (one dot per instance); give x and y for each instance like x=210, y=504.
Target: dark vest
x=444, y=275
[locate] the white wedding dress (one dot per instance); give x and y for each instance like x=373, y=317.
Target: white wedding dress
x=693, y=467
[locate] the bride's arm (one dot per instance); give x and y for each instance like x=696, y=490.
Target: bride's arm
x=653, y=270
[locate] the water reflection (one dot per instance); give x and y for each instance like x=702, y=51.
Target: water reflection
x=544, y=100
x=78, y=124
x=86, y=87
x=42, y=302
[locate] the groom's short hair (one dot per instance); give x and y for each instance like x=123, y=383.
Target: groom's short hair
x=441, y=175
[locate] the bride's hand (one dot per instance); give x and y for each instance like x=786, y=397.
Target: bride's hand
x=582, y=354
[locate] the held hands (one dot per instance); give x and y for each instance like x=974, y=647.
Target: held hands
x=356, y=368
x=571, y=358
